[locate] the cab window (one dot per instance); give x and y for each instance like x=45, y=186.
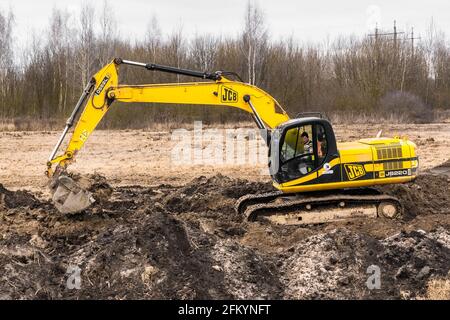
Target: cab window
x=297, y=142
x=303, y=150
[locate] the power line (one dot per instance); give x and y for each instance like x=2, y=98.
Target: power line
x=395, y=34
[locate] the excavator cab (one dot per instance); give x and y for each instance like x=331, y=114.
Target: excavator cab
x=301, y=147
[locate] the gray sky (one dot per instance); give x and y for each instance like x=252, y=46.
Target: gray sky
x=305, y=20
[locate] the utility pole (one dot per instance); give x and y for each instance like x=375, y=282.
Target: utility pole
x=394, y=34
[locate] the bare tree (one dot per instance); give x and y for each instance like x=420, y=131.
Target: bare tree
x=175, y=48
x=6, y=33
x=6, y=54
x=153, y=37
x=58, y=43
x=108, y=33
x=254, y=38
x=86, y=43
x=203, y=50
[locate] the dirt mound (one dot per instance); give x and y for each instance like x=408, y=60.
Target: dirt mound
x=248, y=274
x=441, y=170
x=427, y=194
x=169, y=242
x=21, y=198
x=150, y=255
x=337, y=264
x=158, y=258
x=212, y=194
x=28, y=271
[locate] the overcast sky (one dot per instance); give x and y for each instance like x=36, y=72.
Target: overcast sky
x=305, y=20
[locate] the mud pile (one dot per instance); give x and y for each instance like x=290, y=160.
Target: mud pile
x=428, y=194
x=21, y=198
x=126, y=247
x=187, y=242
x=216, y=193
x=338, y=264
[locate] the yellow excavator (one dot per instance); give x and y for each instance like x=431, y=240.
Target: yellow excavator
x=316, y=179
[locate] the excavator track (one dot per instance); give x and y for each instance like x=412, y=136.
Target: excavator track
x=251, y=199
x=317, y=208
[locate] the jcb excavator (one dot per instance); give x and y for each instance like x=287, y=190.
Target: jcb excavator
x=318, y=180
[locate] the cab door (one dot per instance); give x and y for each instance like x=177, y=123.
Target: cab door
x=306, y=150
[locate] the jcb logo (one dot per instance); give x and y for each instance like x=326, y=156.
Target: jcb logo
x=354, y=171
x=102, y=85
x=228, y=95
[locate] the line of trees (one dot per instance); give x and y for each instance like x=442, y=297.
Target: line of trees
x=353, y=76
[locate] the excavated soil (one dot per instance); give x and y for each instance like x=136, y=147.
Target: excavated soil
x=166, y=242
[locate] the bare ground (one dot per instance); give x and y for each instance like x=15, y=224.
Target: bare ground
x=144, y=157
x=171, y=232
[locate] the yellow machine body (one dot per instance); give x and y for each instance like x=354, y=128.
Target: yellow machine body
x=366, y=162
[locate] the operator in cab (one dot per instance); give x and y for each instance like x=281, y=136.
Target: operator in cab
x=307, y=143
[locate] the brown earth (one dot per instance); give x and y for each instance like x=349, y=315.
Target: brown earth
x=180, y=237
x=169, y=242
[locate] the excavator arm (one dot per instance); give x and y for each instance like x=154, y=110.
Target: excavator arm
x=104, y=89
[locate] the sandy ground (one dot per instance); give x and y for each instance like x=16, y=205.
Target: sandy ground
x=164, y=231
x=144, y=157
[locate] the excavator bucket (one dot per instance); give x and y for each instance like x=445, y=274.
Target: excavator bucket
x=68, y=196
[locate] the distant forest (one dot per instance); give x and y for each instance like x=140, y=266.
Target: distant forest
x=371, y=76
